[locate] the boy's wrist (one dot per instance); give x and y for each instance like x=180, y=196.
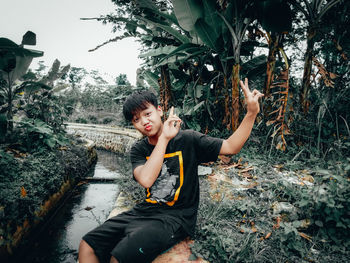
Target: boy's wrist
x=250, y=114
x=163, y=139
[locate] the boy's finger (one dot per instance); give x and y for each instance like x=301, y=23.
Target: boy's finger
x=244, y=87
x=171, y=111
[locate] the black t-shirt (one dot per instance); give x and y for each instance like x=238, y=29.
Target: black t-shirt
x=176, y=191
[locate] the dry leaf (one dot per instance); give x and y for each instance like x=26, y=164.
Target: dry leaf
x=225, y=159
x=278, y=221
x=307, y=237
x=268, y=235
x=88, y=208
x=23, y=192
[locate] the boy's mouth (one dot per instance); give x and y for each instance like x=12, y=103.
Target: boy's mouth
x=148, y=127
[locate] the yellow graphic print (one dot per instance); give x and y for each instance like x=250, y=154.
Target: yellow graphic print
x=166, y=189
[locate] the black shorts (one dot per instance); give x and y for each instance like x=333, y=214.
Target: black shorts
x=132, y=238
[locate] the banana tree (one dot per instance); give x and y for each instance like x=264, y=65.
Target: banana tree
x=186, y=40
x=313, y=10
x=14, y=62
x=275, y=18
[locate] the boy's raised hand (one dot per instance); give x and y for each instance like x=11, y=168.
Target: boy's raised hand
x=251, y=97
x=171, y=126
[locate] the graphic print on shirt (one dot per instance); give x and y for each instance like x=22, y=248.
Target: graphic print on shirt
x=167, y=187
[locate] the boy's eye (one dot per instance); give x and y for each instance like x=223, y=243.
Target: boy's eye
x=148, y=113
x=136, y=119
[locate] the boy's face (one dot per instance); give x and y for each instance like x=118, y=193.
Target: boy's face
x=148, y=121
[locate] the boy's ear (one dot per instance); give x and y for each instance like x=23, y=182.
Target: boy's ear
x=159, y=108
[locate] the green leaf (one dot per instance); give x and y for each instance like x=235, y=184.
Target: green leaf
x=211, y=17
x=31, y=86
x=187, y=47
x=199, y=89
x=7, y=61
x=51, y=142
x=158, y=51
x=206, y=33
x=29, y=38
x=168, y=29
x=3, y=125
x=151, y=79
x=319, y=223
x=195, y=108
x=187, y=12
x=229, y=27
x=275, y=16
x=340, y=224
x=169, y=17
x=8, y=45
x=254, y=67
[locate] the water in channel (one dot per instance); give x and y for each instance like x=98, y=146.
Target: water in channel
x=88, y=206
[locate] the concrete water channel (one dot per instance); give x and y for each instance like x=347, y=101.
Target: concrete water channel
x=88, y=205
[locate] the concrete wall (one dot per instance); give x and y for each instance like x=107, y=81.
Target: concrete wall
x=115, y=139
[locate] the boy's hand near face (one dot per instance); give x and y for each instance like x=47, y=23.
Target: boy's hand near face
x=171, y=126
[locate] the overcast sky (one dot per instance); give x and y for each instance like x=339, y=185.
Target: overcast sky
x=61, y=34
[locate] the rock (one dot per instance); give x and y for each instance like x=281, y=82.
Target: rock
x=204, y=170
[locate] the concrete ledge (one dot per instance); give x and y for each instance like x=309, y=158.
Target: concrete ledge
x=111, y=138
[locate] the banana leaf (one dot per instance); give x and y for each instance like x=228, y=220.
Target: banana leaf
x=206, y=34
x=187, y=47
x=168, y=29
x=158, y=51
x=188, y=12
x=151, y=79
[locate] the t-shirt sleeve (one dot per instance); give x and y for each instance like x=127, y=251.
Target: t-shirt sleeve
x=137, y=156
x=207, y=148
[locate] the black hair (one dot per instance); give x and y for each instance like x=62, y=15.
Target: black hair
x=137, y=102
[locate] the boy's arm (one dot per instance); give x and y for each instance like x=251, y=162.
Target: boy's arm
x=147, y=174
x=235, y=142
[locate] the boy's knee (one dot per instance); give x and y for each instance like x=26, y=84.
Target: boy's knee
x=84, y=248
x=113, y=260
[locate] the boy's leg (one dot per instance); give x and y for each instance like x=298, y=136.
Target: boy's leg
x=101, y=240
x=86, y=253
x=147, y=238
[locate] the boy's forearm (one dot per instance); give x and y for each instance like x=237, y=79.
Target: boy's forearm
x=235, y=142
x=147, y=174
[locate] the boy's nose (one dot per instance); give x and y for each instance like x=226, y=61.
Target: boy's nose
x=144, y=120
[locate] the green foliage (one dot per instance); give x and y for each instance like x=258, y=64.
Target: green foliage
x=81, y=120
x=314, y=217
x=30, y=179
x=327, y=204
x=34, y=133
x=122, y=80
x=93, y=119
x=107, y=120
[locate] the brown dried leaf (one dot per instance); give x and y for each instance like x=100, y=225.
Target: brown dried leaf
x=225, y=159
x=268, y=235
x=303, y=235
x=23, y=192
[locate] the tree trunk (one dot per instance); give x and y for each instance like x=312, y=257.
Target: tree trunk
x=227, y=118
x=235, y=97
x=271, y=62
x=307, y=70
x=165, y=88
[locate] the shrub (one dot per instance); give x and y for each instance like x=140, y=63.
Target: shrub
x=107, y=120
x=81, y=120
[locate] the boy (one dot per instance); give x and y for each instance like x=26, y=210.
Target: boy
x=165, y=163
